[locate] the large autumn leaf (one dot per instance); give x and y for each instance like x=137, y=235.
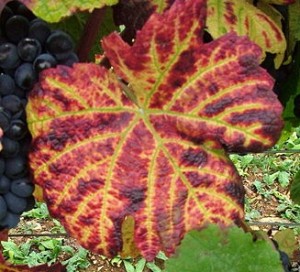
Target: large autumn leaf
x=54, y=11
x=155, y=154
x=246, y=19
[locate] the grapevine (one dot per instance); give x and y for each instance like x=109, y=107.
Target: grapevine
x=28, y=46
x=143, y=134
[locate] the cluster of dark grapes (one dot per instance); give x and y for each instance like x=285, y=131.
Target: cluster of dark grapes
x=27, y=46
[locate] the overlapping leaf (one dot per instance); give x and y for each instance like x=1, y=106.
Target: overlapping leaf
x=287, y=241
x=294, y=18
x=246, y=19
x=213, y=249
x=293, y=29
x=54, y=11
x=272, y=12
x=261, y=24
x=154, y=154
x=170, y=68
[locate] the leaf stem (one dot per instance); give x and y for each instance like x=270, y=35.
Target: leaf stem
x=90, y=33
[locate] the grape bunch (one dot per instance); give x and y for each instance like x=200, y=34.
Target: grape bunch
x=27, y=46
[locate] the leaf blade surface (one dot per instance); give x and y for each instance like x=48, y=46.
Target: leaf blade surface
x=54, y=11
x=233, y=250
x=123, y=168
x=245, y=19
x=158, y=158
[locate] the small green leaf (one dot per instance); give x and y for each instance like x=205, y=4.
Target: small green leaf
x=269, y=179
x=295, y=189
x=231, y=250
x=128, y=266
x=287, y=241
x=78, y=260
x=49, y=244
x=284, y=178
x=162, y=256
x=140, y=265
x=153, y=267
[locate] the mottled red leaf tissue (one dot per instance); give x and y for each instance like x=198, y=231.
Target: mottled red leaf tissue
x=155, y=149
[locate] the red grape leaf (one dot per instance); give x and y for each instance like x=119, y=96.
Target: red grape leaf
x=245, y=19
x=54, y=11
x=99, y=158
x=155, y=154
x=220, y=83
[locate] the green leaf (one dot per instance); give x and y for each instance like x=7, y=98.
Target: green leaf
x=162, y=256
x=54, y=11
x=293, y=25
x=294, y=20
x=269, y=179
x=140, y=265
x=295, y=188
x=287, y=241
x=284, y=178
x=12, y=251
x=291, y=88
x=50, y=244
x=128, y=266
x=78, y=260
x=19, y=255
x=153, y=267
x=231, y=250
